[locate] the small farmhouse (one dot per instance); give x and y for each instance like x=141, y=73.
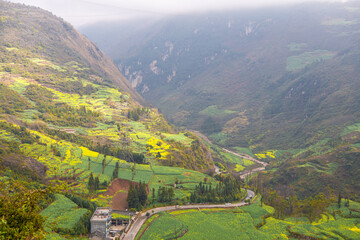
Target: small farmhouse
x=107, y=223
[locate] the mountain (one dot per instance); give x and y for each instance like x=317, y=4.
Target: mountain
x=280, y=84
x=46, y=63
x=266, y=78
x=70, y=124
x=75, y=136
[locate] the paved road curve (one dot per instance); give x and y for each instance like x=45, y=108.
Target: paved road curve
x=130, y=235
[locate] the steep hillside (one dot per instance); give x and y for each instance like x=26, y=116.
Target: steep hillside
x=69, y=119
x=54, y=77
x=267, y=78
x=46, y=35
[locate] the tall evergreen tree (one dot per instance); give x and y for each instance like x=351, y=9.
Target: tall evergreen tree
x=91, y=183
x=142, y=194
x=97, y=183
x=103, y=164
x=116, y=170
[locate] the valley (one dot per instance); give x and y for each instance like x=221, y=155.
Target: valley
x=271, y=96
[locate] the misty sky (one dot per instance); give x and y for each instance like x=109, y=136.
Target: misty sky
x=80, y=12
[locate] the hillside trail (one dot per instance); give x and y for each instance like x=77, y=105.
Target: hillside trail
x=243, y=174
x=135, y=228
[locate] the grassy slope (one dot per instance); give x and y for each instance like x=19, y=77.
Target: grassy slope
x=62, y=213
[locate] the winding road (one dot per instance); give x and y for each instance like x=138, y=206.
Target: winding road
x=135, y=228
x=247, y=173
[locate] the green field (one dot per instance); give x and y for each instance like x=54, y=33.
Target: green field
x=187, y=180
x=210, y=224
x=240, y=223
x=301, y=61
x=63, y=213
x=294, y=47
x=215, y=111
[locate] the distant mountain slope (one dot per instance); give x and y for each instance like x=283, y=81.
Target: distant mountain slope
x=280, y=77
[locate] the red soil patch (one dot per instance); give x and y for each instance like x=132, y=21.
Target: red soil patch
x=119, y=199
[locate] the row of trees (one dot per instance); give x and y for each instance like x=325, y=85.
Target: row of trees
x=120, y=153
x=137, y=196
x=136, y=113
x=228, y=190
x=310, y=207
x=165, y=194
x=76, y=87
x=94, y=183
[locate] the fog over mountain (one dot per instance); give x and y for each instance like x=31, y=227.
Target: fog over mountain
x=81, y=12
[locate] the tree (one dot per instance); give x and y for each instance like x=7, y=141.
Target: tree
x=19, y=212
x=91, y=183
x=89, y=163
x=142, y=193
x=97, y=183
x=171, y=194
x=103, y=164
x=339, y=200
x=116, y=170
x=133, y=198
x=210, y=126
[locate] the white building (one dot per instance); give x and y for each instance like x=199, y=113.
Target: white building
x=101, y=222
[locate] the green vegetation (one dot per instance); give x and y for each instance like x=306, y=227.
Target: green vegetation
x=11, y=101
x=137, y=196
x=294, y=47
x=215, y=111
x=19, y=211
x=211, y=223
x=68, y=117
x=339, y=22
x=228, y=190
x=248, y=222
x=301, y=61
x=62, y=214
x=119, y=216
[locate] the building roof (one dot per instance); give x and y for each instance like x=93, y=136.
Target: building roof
x=101, y=214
